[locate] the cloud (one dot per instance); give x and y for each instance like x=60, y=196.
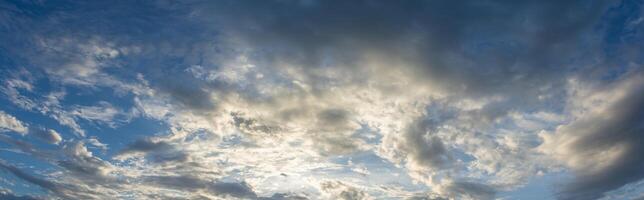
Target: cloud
x=424, y=149
x=81, y=162
x=49, y=105
x=217, y=188
x=45, y=184
x=10, y=123
x=24, y=147
x=602, y=144
x=48, y=135
x=448, y=94
x=506, y=45
x=339, y=190
x=468, y=190
x=425, y=197
x=62, y=190
x=8, y=195
x=156, y=151
x=282, y=196
x=104, y=112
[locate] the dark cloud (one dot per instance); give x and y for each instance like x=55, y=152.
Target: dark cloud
x=241, y=189
x=156, y=151
x=187, y=91
x=252, y=126
x=425, y=149
x=332, y=131
x=221, y=188
x=333, y=119
x=476, y=48
x=473, y=48
x=146, y=145
x=470, y=190
x=190, y=183
x=616, y=134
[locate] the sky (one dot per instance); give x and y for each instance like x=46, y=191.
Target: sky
x=322, y=99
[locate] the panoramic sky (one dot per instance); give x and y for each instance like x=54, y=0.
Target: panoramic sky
x=322, y=99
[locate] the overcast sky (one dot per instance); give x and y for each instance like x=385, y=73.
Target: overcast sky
x=322, y=99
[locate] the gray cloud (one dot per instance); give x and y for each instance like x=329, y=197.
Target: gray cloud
x=469, y=190
x=55, y=188
x=146, y=145
x=45, y=184
x=282, y=196
x=339, y=190
x=156, y=151
x=190, y=183
x=472, y=48
x=425, y=148
x=252, y=126
x=509, y=46
x=47, y=135
x=25, y=147
x=604, y=146
x=188, y=92
x=58, y=189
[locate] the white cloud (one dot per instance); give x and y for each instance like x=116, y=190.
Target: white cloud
x=10, y=123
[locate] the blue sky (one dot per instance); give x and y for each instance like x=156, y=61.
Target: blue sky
x=310, y=99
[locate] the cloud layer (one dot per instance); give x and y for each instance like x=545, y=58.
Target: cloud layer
x=321, y=99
